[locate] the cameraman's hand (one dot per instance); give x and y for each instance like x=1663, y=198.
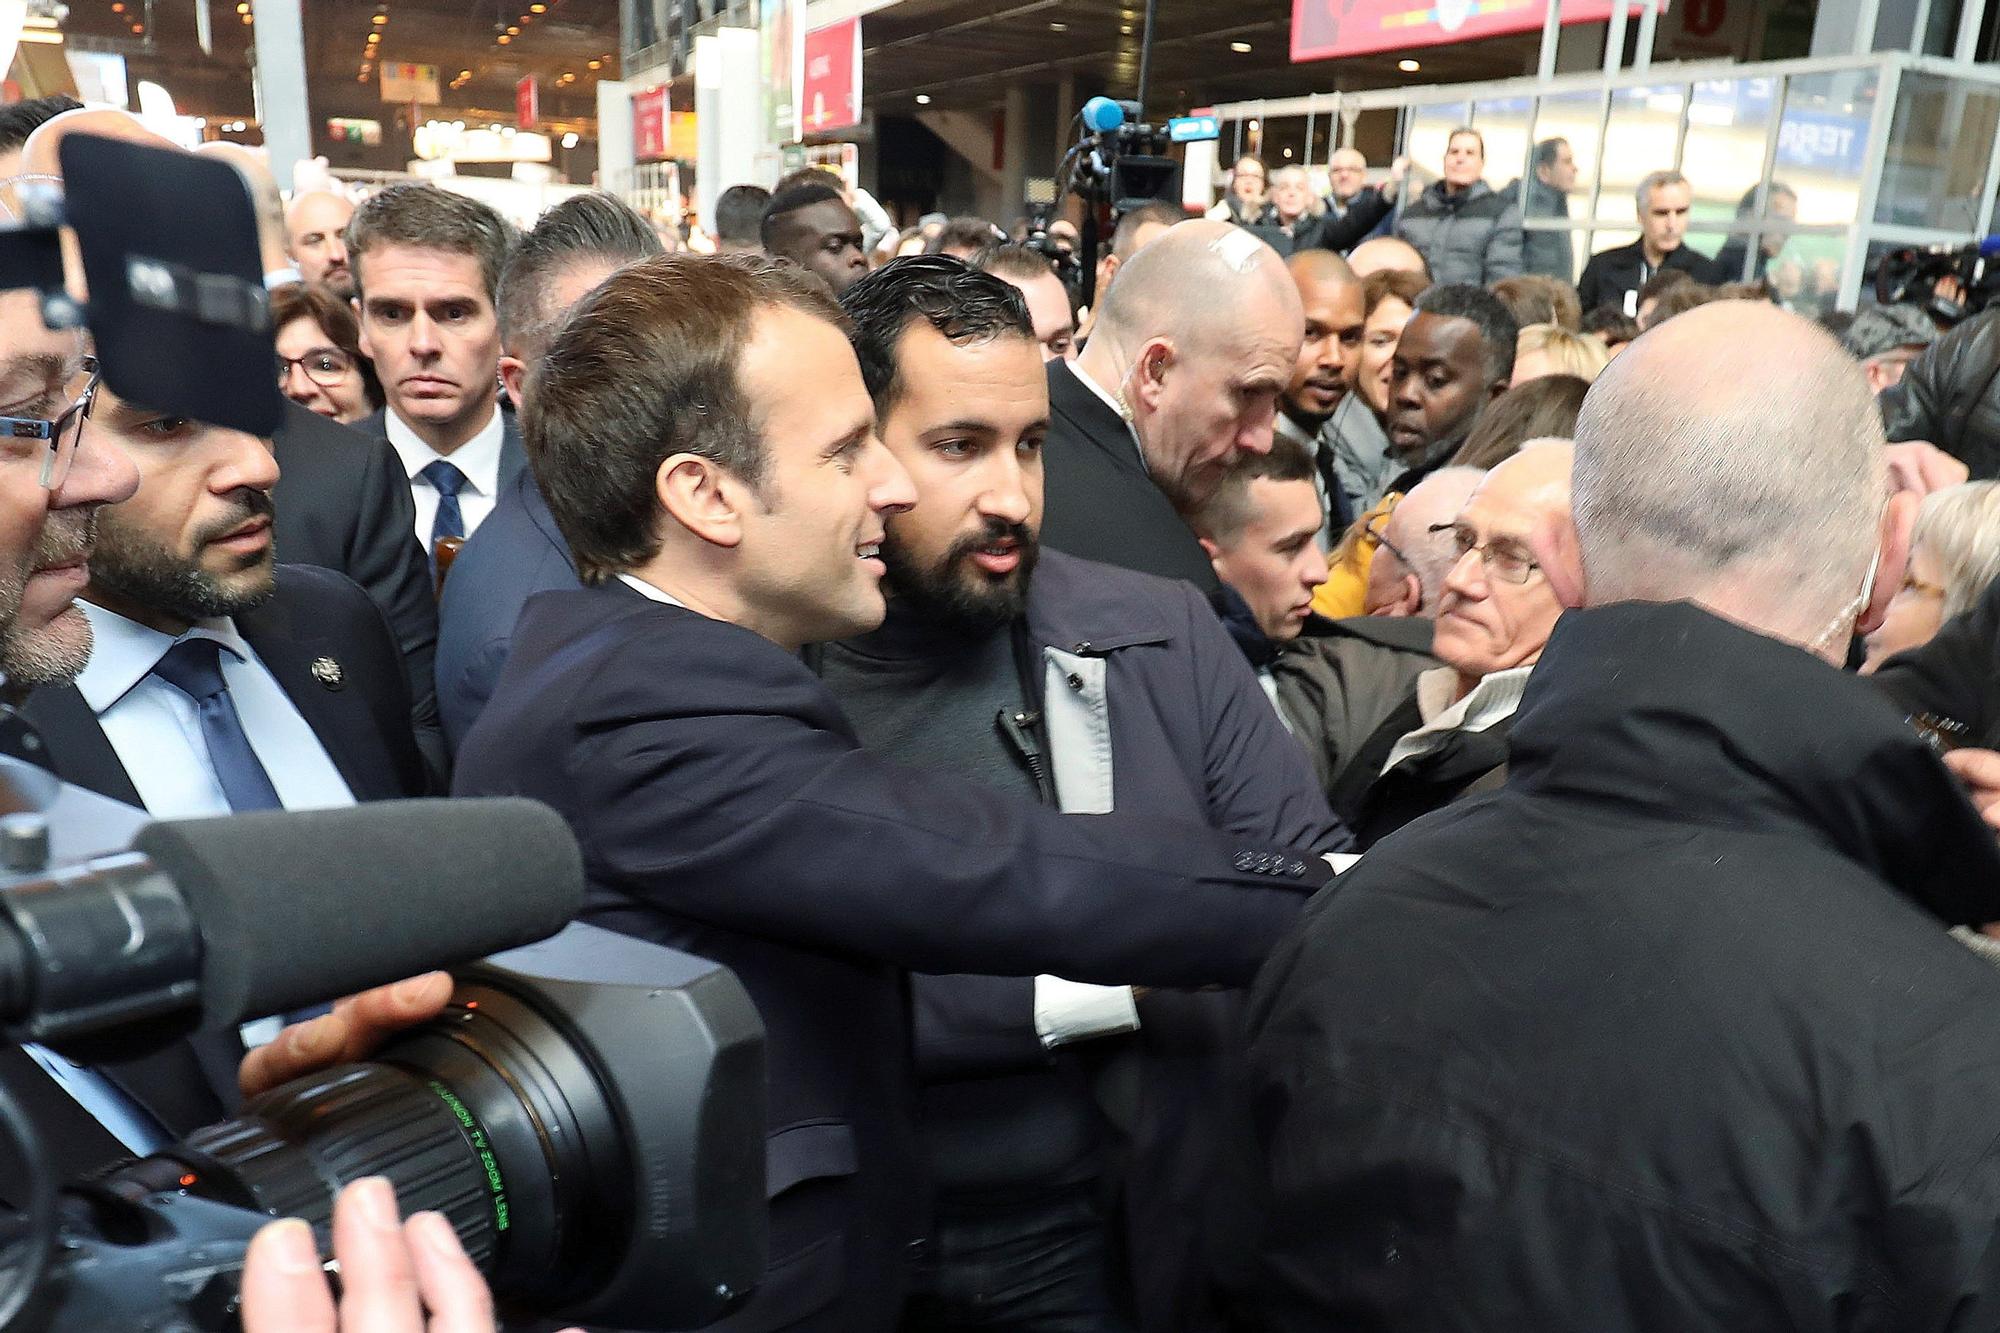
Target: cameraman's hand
x=391, y=1273
x=357, y=1025
x=1922, y=467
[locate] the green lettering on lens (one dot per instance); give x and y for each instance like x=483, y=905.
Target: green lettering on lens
x=477, y=1136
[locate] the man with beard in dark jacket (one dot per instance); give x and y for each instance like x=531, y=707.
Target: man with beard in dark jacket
x=1668, y=1033
x=1950, y=396
x=1465, y=232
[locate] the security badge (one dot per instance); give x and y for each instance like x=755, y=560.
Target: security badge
x=328, y=673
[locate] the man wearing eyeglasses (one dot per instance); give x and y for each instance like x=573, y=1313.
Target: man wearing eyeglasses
x=1448, y=739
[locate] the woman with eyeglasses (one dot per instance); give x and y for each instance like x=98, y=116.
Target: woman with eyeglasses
x=1954, y=554
x=320, y=365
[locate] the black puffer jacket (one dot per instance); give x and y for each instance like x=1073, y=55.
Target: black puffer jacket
x=1667, y=1034
x=1472, y=236
x=1951, y=396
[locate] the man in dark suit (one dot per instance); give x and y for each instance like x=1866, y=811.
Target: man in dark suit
x=1189, y=352
x=725, y=804
x=219, y=682
x=426, y=266
x=518, y=552
x=342, y=503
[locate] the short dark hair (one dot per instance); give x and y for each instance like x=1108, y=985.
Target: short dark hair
x=1125, y=236
x=1461, y=132
x=1497, y=327
x=1536, y=298
x=649, y=368
x=582, y=228
x=1610, y=324
x=1748, y=203
x=1400, y=283
x=22, y=119
x=1544, y=407
x=430, y=218
x=1660, y=284
x=1548, y=150
x=1223, y=516
x=960, y=302
x=739, y=213
x=788, y=201
x=791, y=180
x=1679, y=299
x=964, y=233
x=335, y=317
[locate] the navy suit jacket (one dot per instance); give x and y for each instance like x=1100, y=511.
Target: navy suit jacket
x=343, y=503
x=364, y=723
x=726, y=808
x=516, y=553
x=1098, y=502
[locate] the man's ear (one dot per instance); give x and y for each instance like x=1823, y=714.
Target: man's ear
x=702, y=496
x=513, y=374
x=1899, y=522
x=1409, y=598
x=1562, y=565
x=1150, y=370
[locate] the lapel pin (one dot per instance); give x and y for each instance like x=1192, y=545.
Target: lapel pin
x=328, y=673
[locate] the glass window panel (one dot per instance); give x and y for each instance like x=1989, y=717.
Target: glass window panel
x=1644, y=130
x=1823, y=144
x=1729, y=121
x=1806, y=273
x=1939, y=143
x=1503, y=123
x=1574, y=117
x=1430, y=130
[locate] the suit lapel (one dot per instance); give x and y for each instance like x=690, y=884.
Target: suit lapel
x=339, y=718
x=78, y=750
x=1092, y=418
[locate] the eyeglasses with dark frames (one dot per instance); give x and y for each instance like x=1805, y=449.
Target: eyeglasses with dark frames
x=1377, y=530
x=62, y=434
x=327, y=367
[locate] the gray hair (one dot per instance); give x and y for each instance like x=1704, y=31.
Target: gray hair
x=1301, y=177
x=1690, y=473
x=1652, y=181
x=1960, y=528
x=1430, y=556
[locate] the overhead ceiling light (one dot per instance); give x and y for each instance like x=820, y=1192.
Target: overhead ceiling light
x=513, y=32
x=571, y=140
x=1059, y=27
x=1408, y=66
x=923, y=99
x=374, y=37
x=503, y=39
x=465, y=74
x=120, y=8
x=595, y=64
x=379, y=19
x=1240, y=48
x=538, y=9
x=1125, y=29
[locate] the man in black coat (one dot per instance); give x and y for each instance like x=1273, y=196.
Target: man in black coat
x=1613, y=277
x=1950, y=396
x=1669, y=1033
x=725, y=804
x=1191, y=348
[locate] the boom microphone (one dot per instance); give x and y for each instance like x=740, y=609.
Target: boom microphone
x=1102, y=115
x=238, y=918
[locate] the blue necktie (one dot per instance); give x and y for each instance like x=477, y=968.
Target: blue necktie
x=194, y=667
x=447, y=481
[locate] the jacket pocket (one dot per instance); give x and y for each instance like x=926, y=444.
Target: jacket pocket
x=809, y=1150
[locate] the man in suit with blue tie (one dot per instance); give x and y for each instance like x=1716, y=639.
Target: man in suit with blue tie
x=426, y=264
x=219, y=682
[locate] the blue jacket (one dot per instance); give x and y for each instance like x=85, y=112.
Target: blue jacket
x=725, y=808
x=516, y=553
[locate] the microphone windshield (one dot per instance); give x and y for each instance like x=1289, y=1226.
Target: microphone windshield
x=1102, y=115
x=298, y=908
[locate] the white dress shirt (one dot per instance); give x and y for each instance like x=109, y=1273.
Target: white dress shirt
x=478, y=458
x=1493, y=699
x=156, y=730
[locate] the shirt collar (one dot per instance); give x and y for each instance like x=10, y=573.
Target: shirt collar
x=123, y=652
x=1110, y=400
x=1494, y=699
x=645, y=589
x=478, y=458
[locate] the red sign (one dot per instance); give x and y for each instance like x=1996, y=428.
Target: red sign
x=649, y=124
x=1322, y=29
x=831, y=96
x=527, y=102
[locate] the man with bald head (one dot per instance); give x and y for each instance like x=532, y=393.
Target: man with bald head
x=1322, y=380
x=1416, y=549
x=1192, y=348
x=1667, y=1033
x=1387, y=252
x=316, y=239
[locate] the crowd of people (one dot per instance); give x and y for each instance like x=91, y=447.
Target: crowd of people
x=1350, y=781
